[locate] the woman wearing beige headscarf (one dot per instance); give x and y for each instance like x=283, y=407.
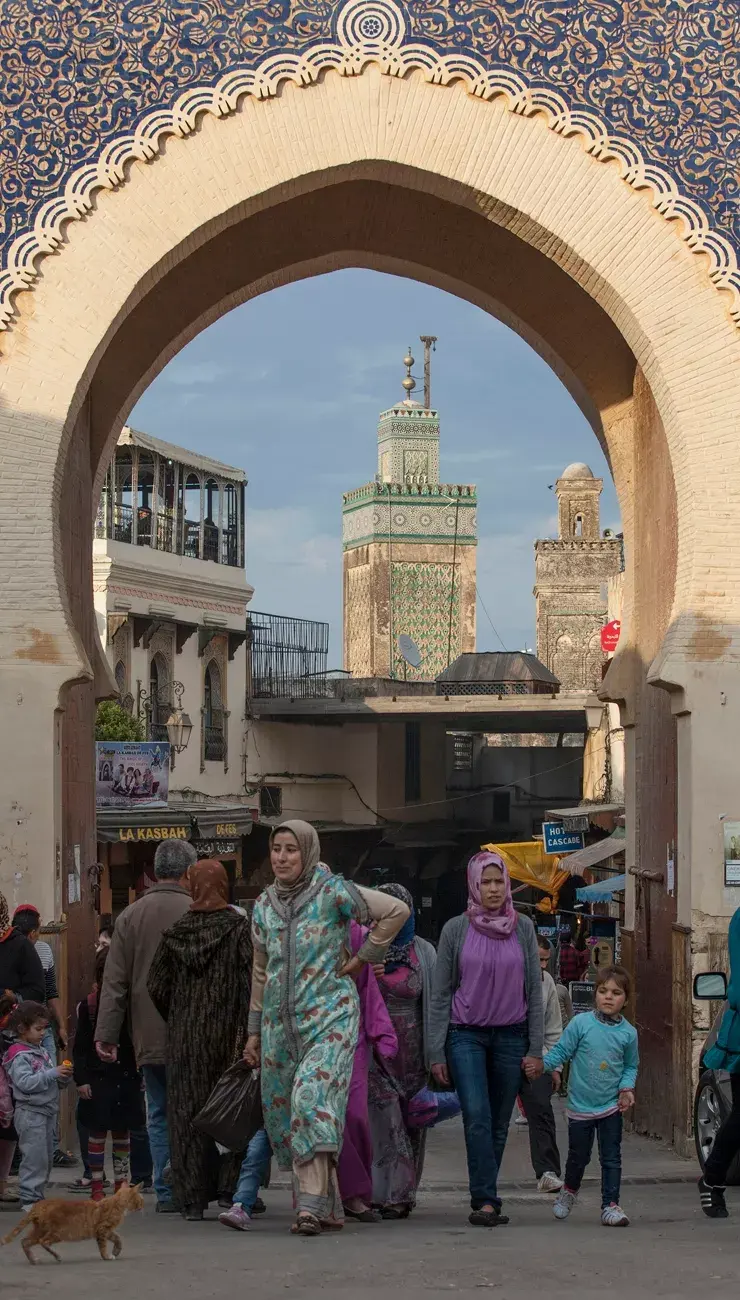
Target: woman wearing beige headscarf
x=304, y=1012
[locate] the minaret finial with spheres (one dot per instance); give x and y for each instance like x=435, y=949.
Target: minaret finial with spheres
x=408, y=383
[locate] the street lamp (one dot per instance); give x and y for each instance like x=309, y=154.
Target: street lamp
x=594, y=712
x=178, y=724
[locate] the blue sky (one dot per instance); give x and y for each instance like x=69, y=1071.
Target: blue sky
x=289, y=387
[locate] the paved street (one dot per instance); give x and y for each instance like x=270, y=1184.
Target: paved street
x=669, y=1250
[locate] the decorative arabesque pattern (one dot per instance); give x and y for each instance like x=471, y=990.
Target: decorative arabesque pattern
x=422, y=593
x=92, y=86
x=358, y=620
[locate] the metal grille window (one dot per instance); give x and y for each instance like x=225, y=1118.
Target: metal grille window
x=412, y=767
x=487, y=688
x=462, y=751
x=214, y=740
x=288, y=656
x=271, y=801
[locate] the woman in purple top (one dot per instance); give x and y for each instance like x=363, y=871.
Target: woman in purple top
x=487, y=1021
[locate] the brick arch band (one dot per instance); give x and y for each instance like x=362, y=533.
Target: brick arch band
x=368, y=32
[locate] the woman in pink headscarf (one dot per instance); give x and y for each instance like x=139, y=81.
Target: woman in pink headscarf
x=486, y=1021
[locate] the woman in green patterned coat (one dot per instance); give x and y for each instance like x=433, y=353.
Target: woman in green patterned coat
x=199, y=982
x=304, y=1013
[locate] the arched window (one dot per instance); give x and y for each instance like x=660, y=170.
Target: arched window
x=578, y=526
x=230, y=544
x=159, y=702
x=213, y=714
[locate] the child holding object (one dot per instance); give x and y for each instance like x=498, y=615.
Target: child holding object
x=602, y=1049
x=35, y=1082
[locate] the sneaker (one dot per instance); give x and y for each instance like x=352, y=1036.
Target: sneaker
x=613, y=1216
x=549, y=1182
x=712, y=1200
x=259, y=1207
x=64, y=1159
x=236, y=1217
x=564, y=1203
x=166, y=1207
x=521, y=1121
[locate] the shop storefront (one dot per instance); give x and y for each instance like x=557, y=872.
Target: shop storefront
x=129, y=839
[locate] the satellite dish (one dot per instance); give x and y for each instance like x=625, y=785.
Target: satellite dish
x=409, y=651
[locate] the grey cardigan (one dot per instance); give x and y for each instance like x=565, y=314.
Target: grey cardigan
x=447, y=980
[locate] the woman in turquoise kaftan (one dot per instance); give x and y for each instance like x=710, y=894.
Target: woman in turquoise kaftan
x=304, y=1014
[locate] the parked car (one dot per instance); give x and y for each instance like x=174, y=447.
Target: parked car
x=713, y=1098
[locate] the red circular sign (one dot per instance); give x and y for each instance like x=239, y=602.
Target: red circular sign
x=610, y=636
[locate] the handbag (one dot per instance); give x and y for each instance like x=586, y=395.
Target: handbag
x=429, y=1107
x=233, y=1113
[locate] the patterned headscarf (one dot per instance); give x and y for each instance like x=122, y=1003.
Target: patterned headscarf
x=399, y=951
x=501, y=923
x=5, y=926
x=209, y=886
x=308, y=842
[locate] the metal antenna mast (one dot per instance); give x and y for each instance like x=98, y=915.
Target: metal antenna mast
x=429, y=341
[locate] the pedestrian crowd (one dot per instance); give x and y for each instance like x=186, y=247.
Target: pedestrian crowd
x=362, y=1033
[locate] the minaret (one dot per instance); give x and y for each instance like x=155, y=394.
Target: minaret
x=409, y=548
x=570, y=585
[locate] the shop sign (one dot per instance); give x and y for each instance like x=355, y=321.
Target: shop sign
x=559, y=840
x=226, y=830
x=582, y=995
x=139, y=834
x=610, y=636
x=216, y=848
x=732, y=854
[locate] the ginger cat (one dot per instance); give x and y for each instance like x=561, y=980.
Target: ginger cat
x=54, y=1221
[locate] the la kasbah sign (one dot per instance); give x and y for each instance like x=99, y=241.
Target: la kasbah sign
x=140, y=833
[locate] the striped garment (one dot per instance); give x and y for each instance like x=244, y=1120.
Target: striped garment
x=46, y=957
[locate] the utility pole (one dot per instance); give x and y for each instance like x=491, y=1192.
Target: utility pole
x=429, y=341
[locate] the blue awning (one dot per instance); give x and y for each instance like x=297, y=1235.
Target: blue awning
x=602, y=891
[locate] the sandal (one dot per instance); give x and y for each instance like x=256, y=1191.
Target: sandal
x=306, y=1225
x=487, y=1218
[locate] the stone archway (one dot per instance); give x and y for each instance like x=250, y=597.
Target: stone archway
x=398, y=173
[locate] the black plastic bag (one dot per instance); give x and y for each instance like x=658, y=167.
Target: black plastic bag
x=233, y=1113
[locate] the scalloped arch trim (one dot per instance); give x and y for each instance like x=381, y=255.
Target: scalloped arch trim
x=368, y=32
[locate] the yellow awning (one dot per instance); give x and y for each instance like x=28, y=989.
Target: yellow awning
x=528, y=864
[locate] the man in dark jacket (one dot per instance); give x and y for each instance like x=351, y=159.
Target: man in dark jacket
x=124, y=994
x=20, y=968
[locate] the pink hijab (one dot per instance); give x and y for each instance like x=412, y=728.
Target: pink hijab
x=496, y=925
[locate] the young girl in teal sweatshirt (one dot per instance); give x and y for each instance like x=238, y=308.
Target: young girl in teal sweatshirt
x=602, y=1049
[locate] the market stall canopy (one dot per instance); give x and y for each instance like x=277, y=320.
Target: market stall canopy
x=528, y=863
x=142, y=825
x=602, y=891
x=586, y=810
x=222, y=821
x=593, y=854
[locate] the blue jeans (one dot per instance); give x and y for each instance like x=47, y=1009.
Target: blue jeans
x=252, y=1172
x=581, y=1134
x=486, y=1065
x=155, y=1083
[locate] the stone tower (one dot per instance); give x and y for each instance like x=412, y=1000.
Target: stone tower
x=571, y=576
x=409, y=551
